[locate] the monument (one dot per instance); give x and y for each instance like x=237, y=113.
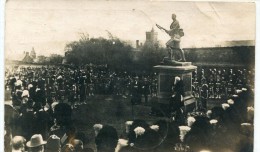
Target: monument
x=170, y=67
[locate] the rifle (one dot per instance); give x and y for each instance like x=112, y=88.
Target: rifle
x=179, y=33
x=161, y=28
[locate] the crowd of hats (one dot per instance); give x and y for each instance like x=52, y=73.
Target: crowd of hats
x=48, y=126
x=228, y=126
x=40, y=135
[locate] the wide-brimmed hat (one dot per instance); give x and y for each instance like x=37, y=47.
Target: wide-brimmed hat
x=35, y=141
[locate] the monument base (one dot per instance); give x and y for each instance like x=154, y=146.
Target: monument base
x=166, y=75
x=168, y=61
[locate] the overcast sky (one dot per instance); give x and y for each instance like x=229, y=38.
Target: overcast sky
x=48, y=25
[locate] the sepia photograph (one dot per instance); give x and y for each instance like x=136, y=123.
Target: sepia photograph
x=129, y=76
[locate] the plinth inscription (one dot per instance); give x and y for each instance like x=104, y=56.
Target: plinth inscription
x=166, y=82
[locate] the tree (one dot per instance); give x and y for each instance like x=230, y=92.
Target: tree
x=41, y=59
x=150, y=56
x=55, y=59
x=115, y=53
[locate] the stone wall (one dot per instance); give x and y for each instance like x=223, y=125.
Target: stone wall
x=222, y=56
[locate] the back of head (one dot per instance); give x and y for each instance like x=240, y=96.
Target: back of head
x=216, y=112
x=136, y=123
x=18, y=143
x=78, y=145
x=147, y=140
x=36, y=149
x=63, y=113
x=107, y=138
x=67, y=148
x=140, y=123
x=53, y=144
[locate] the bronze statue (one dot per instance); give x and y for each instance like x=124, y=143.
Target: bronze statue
x=175, y=33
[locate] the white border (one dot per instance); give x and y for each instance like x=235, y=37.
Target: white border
x=2, y=2
x=257, y=83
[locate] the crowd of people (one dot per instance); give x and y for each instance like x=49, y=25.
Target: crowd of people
x=221, y=83
x=43, y=98
x=35, y=91
x=76, y=84
x=226, y=127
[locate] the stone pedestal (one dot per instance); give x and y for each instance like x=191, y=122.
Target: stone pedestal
x=166, y=75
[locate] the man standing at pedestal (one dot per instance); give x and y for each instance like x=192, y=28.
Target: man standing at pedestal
x=177, y=100
x=178, y=94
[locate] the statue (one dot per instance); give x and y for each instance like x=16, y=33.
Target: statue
x=173, y=44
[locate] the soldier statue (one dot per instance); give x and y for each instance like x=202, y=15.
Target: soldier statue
x=173, y=44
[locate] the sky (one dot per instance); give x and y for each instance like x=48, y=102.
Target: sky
x=49, y=25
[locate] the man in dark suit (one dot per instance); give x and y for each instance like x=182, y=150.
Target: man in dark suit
x=136, y=91
x=146, y=89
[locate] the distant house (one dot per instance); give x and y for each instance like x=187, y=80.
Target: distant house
x=27, y=58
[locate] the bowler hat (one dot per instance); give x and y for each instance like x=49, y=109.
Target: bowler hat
x=36, y=140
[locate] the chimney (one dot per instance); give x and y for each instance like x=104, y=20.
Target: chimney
x=137, y=44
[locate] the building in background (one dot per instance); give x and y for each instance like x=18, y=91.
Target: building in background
x=33, y=54
x=151, y=38
x=27, y=58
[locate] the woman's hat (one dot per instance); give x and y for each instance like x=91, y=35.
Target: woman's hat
x=36, y=140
